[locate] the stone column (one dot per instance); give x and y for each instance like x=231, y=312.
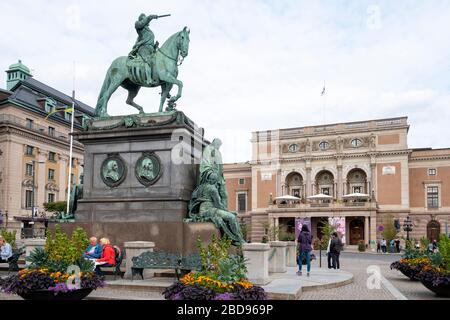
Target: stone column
x=40, y=179
x=30, y=245
x=257, y=255
x=134, y=249
x=277, y=226
x=366, y=231
x=277, y=256
x=308, y=182
x=339, y=182
x=291, y=254
x=373, y=227
x=373, y=179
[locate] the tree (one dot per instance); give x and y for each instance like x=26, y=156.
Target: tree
x=389, y=232
x=327, y=230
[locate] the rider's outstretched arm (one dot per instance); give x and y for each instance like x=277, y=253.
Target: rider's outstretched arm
x=144, y=22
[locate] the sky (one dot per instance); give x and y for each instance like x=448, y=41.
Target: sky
x=254, y=64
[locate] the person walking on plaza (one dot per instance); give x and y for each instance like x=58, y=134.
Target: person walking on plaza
x=304, y=244
x=108, y=258
x=383, y=245
x=329, y=255
x=392, y=246
x=335, y=248
x=5, y=250
x=397, y=245
x=378, y=246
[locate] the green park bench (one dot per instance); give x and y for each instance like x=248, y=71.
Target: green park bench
x=164, y=260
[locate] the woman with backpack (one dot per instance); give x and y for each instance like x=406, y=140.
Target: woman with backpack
x=304, y=248
x=108, y=258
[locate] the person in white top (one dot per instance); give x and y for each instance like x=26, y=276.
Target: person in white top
x=329, y=254
x=5, y=250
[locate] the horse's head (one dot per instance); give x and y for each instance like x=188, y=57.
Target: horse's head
x=183, y=42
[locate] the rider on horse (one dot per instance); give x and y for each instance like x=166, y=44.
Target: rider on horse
x=145, y=44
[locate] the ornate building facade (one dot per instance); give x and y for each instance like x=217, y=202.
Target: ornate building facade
x=361, y=174
x=34, y=150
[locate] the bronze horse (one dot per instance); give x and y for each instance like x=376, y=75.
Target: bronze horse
x=131, y=74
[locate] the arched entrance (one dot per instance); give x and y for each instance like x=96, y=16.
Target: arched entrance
x=356, y=232
x=324, y=183
x=356, y=181
x=294, y=185
x=433, y=230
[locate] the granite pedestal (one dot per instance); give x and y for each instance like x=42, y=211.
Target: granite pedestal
x=131, y=210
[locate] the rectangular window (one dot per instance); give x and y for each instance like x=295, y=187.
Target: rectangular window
x=51, y=174
x=29, y=169
x=432, y=197
x=30, y=123
x=241, y=181
x=296, y=192
x=432, y=172
x=51, y=156
x=51, y=131
x=357, y=189
x=326, y=191
x=28, y=198
x=73, y=178
x=68, y=116
x=51, y=197
x=29, y=150
x=242, y=202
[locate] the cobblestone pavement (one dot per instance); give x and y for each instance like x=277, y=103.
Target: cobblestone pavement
x=357, y=264
x=355, y=291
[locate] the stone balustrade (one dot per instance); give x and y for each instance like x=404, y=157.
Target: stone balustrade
x=257, y=256
x=134, y=249
x=277, y=256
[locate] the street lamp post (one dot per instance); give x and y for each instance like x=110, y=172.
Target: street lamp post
x=407, y=226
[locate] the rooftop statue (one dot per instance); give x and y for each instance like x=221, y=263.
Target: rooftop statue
x=146, y=66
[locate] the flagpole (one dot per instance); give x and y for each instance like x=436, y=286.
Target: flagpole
x=324, y=102
x=69, y=183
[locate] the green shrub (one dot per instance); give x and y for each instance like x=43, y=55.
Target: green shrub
x=361, y=246
x=218, y=263
x=9, y=236
x=64, y=251
x=444, y=251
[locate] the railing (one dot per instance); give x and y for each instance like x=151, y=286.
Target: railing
x=331, y=205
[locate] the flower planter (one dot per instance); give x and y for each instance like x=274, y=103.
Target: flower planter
x=410, y=271
x=442, y=290
x=47, y=295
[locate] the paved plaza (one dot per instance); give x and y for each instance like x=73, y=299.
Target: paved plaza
x=349, y=283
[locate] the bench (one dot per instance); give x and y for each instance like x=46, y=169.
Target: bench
x=116, y=268
x=13, y=260
x=164, y=260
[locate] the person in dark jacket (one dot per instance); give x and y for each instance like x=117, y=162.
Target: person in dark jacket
x=304, y=245
x=335, y=248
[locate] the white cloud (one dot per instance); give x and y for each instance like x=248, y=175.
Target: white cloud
x=255, y=65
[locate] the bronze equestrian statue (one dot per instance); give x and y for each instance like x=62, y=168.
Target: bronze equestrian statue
x=146, y=66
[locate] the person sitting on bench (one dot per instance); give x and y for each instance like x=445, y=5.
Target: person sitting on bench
x=5, y=250
x=108, y=258
x=94, y=250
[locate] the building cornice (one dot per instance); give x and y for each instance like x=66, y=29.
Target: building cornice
x=45, y=139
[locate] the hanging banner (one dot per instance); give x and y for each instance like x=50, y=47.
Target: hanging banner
x=339, y=224
x=299, y=222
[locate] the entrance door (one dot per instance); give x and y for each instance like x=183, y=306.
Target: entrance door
x=433, y=230
x=356, y=231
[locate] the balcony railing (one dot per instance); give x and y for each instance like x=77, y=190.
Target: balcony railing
x=331, y=205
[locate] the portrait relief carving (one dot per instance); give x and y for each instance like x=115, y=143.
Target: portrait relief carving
x=148, y=168
x=113, y=170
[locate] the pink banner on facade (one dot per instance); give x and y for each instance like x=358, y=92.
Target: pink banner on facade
x=339, y=224
x=299, y=222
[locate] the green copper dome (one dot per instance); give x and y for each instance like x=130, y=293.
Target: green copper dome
x=19, y=66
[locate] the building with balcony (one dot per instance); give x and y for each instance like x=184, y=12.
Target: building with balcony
x=34, y=148
x=359, y=174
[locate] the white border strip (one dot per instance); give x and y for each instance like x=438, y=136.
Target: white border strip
x=393, y=290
